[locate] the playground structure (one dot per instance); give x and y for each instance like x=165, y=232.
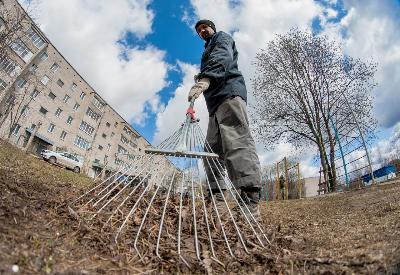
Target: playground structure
x=282, y=181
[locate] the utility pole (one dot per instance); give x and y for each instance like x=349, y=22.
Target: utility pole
x=286, y=179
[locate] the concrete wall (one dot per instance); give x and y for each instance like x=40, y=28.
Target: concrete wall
x=310, y=187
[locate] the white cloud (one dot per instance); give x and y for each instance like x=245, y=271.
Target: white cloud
x=87, y=34
x=170, y=119
x=370, y=31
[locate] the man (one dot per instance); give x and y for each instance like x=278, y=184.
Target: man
x=282, y=187
x=228, y=131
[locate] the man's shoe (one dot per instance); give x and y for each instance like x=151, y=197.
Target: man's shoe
x=251, y=197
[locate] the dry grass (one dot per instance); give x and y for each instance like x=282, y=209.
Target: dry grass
x=355, y=232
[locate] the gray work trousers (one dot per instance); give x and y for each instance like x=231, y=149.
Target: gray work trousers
x=228, y=135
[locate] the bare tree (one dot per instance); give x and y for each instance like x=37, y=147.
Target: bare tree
x=15, y=27
x=18, y=100
x=12, y=24
x=304, y=84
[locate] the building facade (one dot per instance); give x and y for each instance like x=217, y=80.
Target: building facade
x=43, y=96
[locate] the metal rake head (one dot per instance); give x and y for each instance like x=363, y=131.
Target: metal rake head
x=161, y=204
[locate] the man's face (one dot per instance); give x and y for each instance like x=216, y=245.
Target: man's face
x=205, y=31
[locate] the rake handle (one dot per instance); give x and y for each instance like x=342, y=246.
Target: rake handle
x=190, y=111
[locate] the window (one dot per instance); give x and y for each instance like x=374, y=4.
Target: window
x=35, y=38
x=124, y=140
x=76, y=107
x=45, y=79
x=34, y=94
x=43, y=56
x=43, y=111
x=108, y=124
x=54, y=67
x=118, y=161
x=96, y=102
x=9, y=66
x=63, y=135
x=122, y=150
x=100, y=147
x=21, y=50
x=81, y=142
x=52, y=95
x=85, y=127
x=16, y=129
x=93, y=115
x=69, y=120
x=60, y=83
x=33, y=68
x=82, y=96
x=66, y=98
x=74, y=87
x=21, y=82
x=104, y=135
x=58, y=112
x=51, y=128
x=3, y=85
x=25, y=111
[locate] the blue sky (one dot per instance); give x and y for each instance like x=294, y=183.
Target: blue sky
x=179, y=41
x=141, y=55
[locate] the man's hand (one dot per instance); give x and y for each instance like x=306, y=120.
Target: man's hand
x=198, y=88
x=196, y=77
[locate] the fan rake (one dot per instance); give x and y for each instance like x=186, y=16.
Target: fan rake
x=161, y=203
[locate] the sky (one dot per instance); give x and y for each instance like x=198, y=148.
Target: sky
x=141, y=55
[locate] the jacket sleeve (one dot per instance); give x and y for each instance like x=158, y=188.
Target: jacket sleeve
x=217, y=63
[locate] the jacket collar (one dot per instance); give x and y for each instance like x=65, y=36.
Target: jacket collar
x=209, y=40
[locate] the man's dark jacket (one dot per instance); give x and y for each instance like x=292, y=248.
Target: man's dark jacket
x=219, y=64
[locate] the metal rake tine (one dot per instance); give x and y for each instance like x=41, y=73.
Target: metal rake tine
x=219, y=167
x=97, y=186
x=145, y=215
x=227, y=206
x=126, y=186
x=131, y=212
x=120, y=183
x=180, y=216
x=217, y=212
x=229, y=210
x=163, y=216
x=130, y=194
x=128, y=171
x=219, y=218
x=206, y=219
x=166, y=143
x=196, y=239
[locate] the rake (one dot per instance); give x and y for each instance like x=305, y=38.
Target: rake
x=161, y=205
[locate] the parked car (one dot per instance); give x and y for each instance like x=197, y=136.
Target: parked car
x=64, y=159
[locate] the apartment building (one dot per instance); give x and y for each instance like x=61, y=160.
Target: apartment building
x=43, y=96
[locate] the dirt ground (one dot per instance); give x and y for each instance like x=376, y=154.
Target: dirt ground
x=348, y=233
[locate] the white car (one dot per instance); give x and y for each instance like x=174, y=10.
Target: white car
x=65, y=159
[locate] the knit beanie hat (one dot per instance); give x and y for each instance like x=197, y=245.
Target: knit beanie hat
x=205, y=22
